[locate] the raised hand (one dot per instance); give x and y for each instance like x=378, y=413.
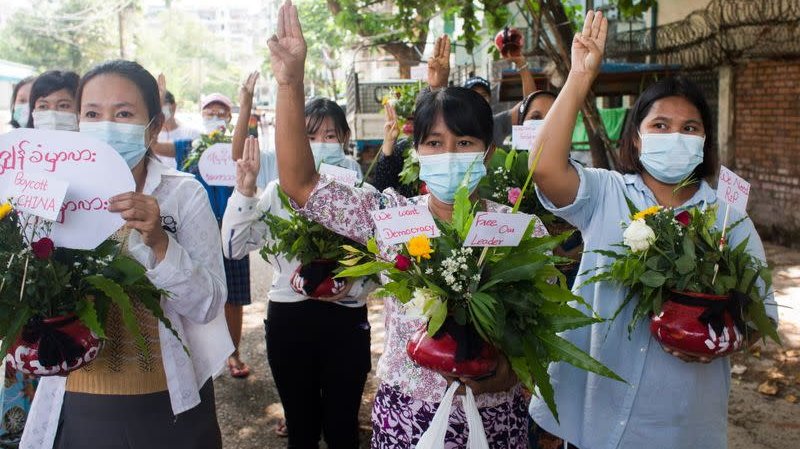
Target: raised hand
x=390, y=129
x=288, y=47
x=439, y=63
x=247, y=168
x=248, y=89
x=588, y=45
x=162, y=87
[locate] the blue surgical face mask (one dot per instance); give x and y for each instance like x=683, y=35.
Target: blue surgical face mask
x=126, y=138
x=444, y=173
x=20, y=115
x=671, y=158
x=327, y=152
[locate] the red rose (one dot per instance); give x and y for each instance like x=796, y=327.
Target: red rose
x=684, y=218
x=423, y=188
x=408, y=128
x=402, y=262
x=43, y=248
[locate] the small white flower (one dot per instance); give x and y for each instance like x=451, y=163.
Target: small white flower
x=638, y=236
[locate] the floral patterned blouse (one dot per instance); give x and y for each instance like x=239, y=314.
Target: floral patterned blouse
x=346, y=211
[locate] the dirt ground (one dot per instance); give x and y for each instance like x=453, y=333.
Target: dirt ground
x=764, y=405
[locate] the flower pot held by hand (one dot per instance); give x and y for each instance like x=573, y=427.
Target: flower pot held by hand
x=53, y=346
x=699, y=324
x=315, y=279
x=455, y=351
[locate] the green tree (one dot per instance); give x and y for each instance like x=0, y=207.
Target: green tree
x=179, y=46
x=400, y=27
x=71, y=34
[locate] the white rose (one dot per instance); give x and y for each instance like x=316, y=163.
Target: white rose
x=419, y=304
x=638, y=236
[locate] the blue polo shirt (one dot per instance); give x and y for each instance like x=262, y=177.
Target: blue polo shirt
x=666, y=403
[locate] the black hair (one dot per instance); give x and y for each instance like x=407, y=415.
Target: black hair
x=477, y=81
x=525, y=106
x=49, y=82
x=676, y=86
x=133, y=72
x=318, y=109
x=14, y=93
x=464, y=111
x=169, y=98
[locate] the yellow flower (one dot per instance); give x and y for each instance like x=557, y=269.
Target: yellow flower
x=420, y=247
x=5, y=209
x=642, y=214
x=214, y=134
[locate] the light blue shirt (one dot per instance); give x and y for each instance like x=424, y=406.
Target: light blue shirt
x=666, y=403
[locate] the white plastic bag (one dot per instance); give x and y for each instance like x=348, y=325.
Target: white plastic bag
x=434, y=437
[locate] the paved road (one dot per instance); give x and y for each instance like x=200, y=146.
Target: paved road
x=248, y=409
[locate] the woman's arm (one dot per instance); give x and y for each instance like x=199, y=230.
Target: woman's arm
x=245, y=106
x=554, y=176
x=242, y=228
x=528, y=84
x=296, y=167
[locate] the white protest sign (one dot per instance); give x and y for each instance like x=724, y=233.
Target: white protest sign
x=496, y=229
x=217, y=167
x=522, y=136
x=400, y=224
x=93, y=170
x=732, y=189
x=340, y=174
x=37, y=193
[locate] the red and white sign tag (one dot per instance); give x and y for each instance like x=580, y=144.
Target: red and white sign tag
x=217, y=167
x=732, y=189
x=340, y=174
x=522, y=135
x=34, y=192
x=496, y=229
x=400, y=224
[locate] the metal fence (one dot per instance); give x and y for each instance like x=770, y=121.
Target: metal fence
x=726, y=31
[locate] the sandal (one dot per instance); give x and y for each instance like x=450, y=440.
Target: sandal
x=280, y=429
x=238, y=372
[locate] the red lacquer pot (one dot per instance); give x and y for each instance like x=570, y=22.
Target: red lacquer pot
x=698, y=324
x=53, y=346
x=454, y=352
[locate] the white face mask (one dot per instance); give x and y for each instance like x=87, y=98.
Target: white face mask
x=167, y=111
x=671, y=157
x=127, y=138
x=214, y=124
x=55, y=120
x=20, y=114
x=535, y=124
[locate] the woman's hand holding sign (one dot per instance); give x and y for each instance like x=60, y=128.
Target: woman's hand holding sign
x=141, y=212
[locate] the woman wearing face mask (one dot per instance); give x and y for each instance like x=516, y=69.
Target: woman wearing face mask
x=52, y=101
x=670, y=400
x=20, y=102
x=318, y=348
x=453, y=135
x=123, y=399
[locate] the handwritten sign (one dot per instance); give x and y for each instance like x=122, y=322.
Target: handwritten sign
x=732, y=189
x=217, y=167
x=340, y=174
x=93, y=170
x=36, y=193
x=496, y=229
x=522, y=136
x=400, y=224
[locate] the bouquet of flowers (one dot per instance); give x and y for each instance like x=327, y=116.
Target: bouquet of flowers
x=54, y=302
x=202, y=143
x=702, y=294
x=481, y=302
x=316, y=248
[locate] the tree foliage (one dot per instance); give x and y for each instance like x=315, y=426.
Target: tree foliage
x=64, y=35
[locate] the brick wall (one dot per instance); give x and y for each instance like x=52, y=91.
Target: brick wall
x=767, y=145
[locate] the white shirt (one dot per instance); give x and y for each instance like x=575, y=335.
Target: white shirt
x=192, y=272
x=182, y=132
x=243, y=231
